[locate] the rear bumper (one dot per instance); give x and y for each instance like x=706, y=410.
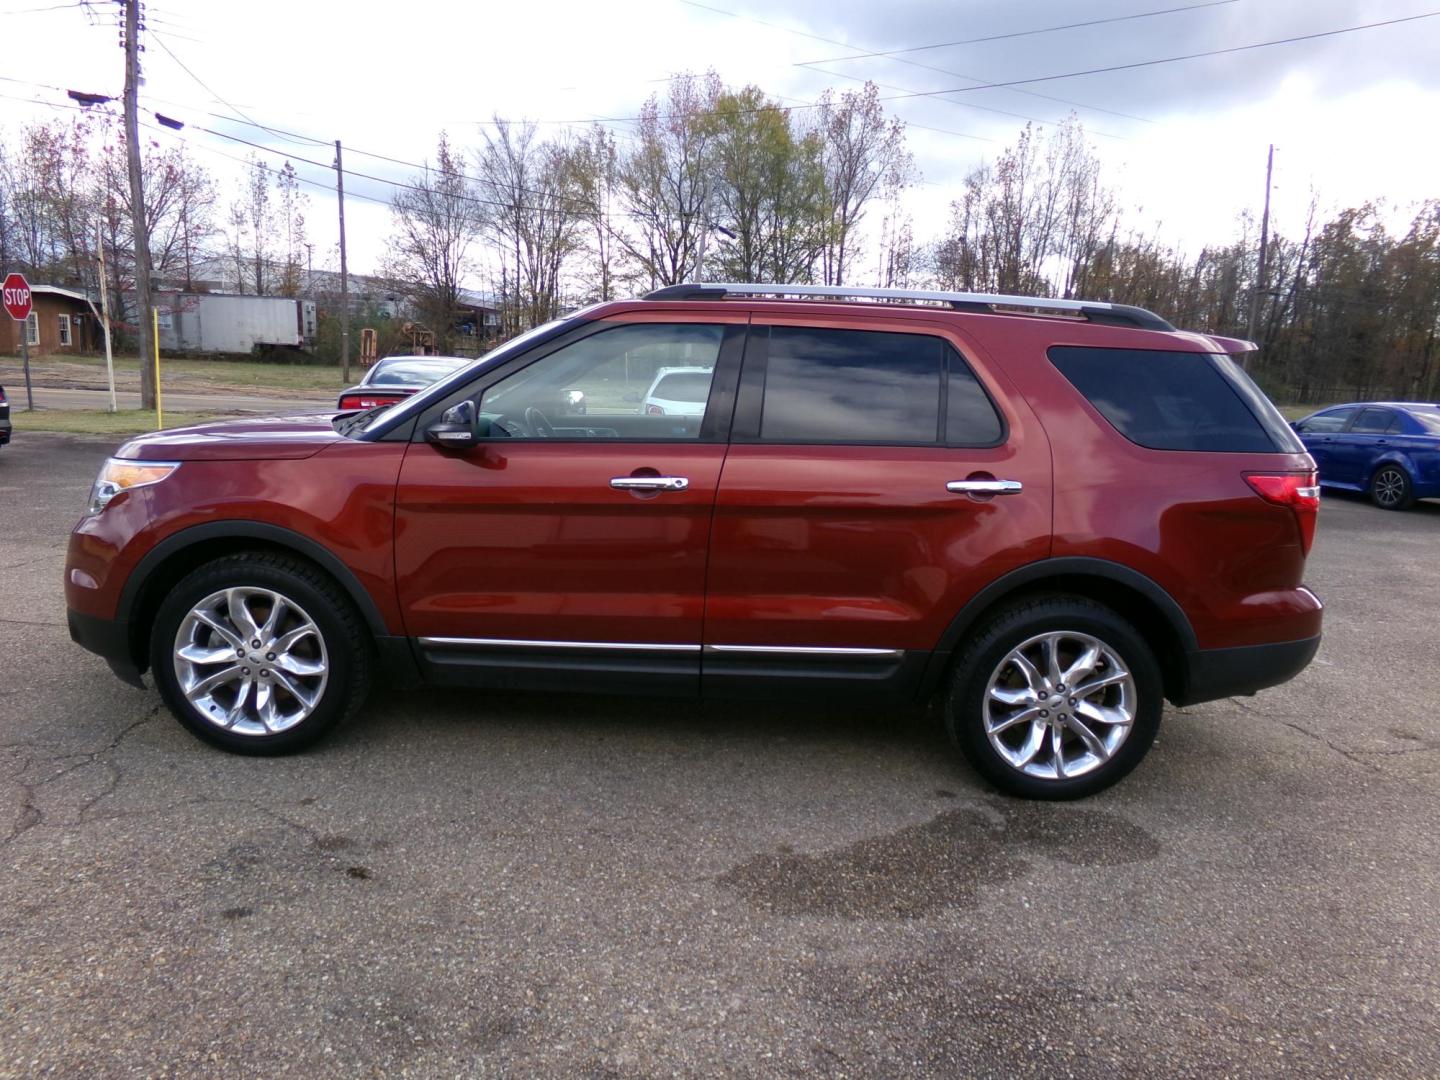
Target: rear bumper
x=107, y=639
x=1220, y=673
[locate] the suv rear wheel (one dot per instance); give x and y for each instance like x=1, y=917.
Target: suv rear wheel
x=1055, y=698
x=259, y=653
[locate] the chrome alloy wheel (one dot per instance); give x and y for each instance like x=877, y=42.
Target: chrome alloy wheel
x=251, y=661
x=1059, y=705
x=1389, y=486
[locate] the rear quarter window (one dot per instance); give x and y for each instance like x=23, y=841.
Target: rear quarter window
x=1176, y=400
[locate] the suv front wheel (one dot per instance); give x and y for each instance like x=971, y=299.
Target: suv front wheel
x=1055, y=698
x=259, y=653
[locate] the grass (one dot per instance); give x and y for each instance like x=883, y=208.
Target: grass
x=242, y=374
x=96, y=422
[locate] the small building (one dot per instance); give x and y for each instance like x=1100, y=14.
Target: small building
x=61, y=321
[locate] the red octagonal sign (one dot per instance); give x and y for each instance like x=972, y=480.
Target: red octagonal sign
x=16, y=292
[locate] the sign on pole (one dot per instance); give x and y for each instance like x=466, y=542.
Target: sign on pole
x=16, y=295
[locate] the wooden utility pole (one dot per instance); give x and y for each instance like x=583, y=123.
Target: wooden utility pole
x=1260, y=274
x=344, y=272
x=137, y=201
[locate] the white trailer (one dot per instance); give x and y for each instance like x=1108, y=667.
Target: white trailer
x=223, y=323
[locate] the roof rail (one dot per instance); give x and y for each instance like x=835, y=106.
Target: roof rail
x=983, y=303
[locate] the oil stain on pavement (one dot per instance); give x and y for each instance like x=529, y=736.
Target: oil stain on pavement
x=943, y=863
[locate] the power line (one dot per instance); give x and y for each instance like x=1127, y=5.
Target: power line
x=159, y=40
x=1175, y=59
x=927, y=67
x=1074, y=74
x=1016, y=33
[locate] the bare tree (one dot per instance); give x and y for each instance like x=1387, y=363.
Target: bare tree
x=536, y=211
x=864, y=153
x=260, y=226
x=595, y=162
x=292, y=205
x=666, y=180
x=435, y=223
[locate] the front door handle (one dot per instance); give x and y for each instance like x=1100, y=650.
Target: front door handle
x=985, y=487
x=651, y=483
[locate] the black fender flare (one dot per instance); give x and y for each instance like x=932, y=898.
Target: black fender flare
x=1064, y=566
x=230, y=529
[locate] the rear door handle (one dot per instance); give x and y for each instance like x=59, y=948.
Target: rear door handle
x=984, y=487
x=651, y=483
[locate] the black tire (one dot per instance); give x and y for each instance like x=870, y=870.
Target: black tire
x=988, y=648
x=1391, y=489
x=346, y=639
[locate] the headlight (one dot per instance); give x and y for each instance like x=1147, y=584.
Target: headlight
x=117, y=475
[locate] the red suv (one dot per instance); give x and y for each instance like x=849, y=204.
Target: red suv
x=1053, y=514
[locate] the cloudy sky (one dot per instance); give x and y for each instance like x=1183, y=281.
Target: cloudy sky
x=1353, y=116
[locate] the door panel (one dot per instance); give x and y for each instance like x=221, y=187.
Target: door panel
x=529, y=540
x=817, y=548
x=567, y=546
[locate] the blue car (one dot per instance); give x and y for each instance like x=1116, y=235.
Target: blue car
x=1388, y=449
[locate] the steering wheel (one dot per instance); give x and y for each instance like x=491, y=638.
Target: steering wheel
x=539, y=425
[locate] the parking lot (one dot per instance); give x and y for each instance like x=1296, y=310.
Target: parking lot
x=480, y=884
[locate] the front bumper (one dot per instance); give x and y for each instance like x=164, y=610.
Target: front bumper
x=109, y=640
x=1221, y=673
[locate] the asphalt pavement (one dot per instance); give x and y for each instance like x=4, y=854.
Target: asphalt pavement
x=478, y=884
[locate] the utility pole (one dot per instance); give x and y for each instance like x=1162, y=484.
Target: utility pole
x=1264, y=250
x=344, y=272
x=137, y=201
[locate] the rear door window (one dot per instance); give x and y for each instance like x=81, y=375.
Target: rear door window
x=1372, y=422
x=1168, y=400
x=851, y=386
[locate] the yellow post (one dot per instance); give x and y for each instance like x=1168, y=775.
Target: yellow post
x=155, y=336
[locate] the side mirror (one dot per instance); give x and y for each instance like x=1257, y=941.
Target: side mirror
x=457, y=428
x=574, y=402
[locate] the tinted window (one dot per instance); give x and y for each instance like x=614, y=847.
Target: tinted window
x=1164, y=400
x=851, y=386
x=594, y=388
x=970, y=418
x=691, y=386
x=1327, y=422
x=1372, y=422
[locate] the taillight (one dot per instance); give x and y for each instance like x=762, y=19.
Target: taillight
x=2, y=395
x=368, y=401
x=1299, y=491
x=654, y=410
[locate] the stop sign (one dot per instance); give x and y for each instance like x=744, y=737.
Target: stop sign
x=16, y=292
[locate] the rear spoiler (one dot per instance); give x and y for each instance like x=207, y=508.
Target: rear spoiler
x=1232, y=346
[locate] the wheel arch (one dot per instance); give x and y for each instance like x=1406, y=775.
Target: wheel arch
x=167, y=562
x=1147, y=606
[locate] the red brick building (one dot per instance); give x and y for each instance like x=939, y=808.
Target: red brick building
x=61, y=321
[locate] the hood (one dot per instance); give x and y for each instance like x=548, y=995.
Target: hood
x=249, y=438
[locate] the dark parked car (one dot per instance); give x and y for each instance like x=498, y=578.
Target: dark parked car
x=1051, y=514
x=4, y=417
x=1388, y=449
x=397, y=377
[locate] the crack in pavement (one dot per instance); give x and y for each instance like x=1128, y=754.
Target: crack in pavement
x=31, y=815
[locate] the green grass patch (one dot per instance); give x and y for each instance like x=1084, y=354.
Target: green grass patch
x=237, y=373
x=97, y=422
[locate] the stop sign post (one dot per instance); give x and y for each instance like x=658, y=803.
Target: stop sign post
x=16, y=294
